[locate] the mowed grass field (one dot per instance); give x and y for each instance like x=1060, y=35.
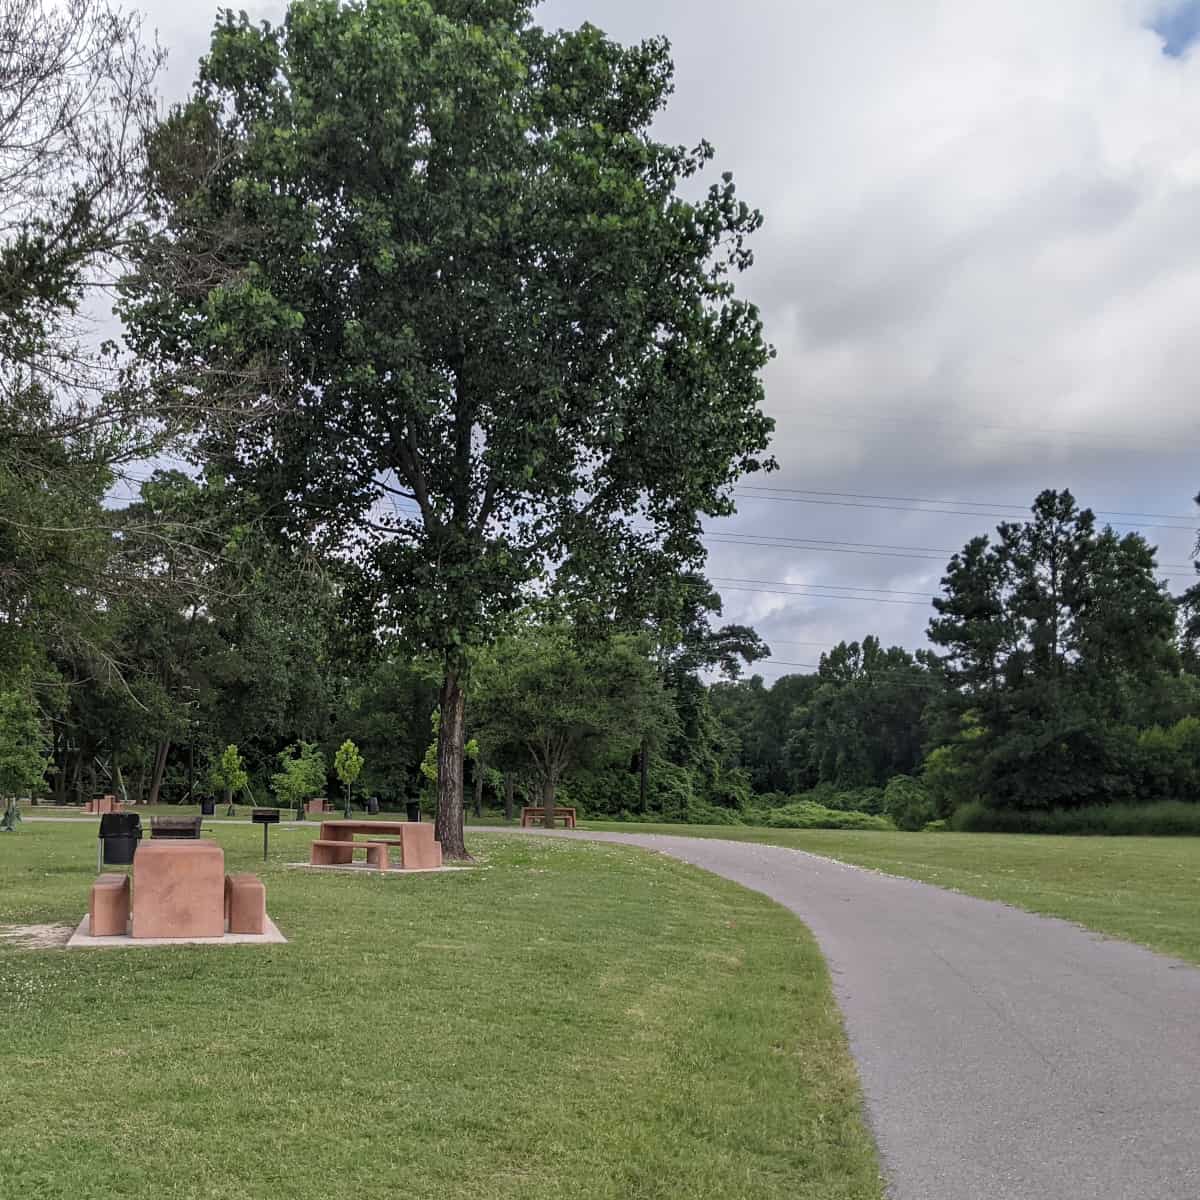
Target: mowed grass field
x=1143, y=890
x=569, y=1020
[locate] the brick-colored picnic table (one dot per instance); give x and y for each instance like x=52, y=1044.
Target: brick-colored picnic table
x=536, y=815
x=337, y=841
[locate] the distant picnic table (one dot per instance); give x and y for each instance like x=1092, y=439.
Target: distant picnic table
x=536, y=815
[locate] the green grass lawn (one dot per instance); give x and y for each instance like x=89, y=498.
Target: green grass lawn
x=1143, y=890
x=571, y=1020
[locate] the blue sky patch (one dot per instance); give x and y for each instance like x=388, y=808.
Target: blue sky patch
x=1178, y=24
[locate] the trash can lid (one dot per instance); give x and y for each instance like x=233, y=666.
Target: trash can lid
x=120, y=825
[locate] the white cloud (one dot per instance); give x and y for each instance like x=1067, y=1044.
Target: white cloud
x=981, y=225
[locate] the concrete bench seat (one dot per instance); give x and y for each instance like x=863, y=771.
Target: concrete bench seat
x=326, y=852
x=108, y=908
x=245, y=904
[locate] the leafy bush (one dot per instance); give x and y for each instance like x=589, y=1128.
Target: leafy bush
x=907, y=803
x=1166, y=818
x=702, y=813
x=807, y=815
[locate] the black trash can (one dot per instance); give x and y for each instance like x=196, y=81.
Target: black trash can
x=208, y=808
x=414, y=810
x=372, y=805
x=119, y=836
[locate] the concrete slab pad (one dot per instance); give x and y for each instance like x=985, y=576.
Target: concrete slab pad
x=362, y=868
x=81, y=939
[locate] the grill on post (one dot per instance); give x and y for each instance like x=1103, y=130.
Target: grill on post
x=266, y=817
x=175, y=827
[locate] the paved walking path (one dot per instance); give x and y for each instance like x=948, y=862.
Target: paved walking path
x=1004, y=1056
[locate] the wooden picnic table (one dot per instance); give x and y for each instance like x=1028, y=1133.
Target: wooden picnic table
x=337, y=841
x=536, y=814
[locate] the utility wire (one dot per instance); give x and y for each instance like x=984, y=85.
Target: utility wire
x=850, y=587
x=950, y=512
x=1194, y=518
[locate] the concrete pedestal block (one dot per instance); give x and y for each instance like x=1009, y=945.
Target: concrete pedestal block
x=245, y=904
x=418, y=847
x=179, y=889
x=108, y=909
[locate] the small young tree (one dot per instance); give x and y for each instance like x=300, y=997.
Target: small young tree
x=347, y=764
x=301, y=776
x=228, y=775
x=22, y=752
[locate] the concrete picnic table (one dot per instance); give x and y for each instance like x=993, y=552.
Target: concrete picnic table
x=336, y=842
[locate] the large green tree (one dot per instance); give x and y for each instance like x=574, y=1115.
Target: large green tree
x=1055, y=636
x=437, y=254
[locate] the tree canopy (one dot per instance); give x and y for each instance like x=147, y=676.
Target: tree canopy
x=432, y=258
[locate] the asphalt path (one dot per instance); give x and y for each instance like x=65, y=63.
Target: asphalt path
x=1003, y=1056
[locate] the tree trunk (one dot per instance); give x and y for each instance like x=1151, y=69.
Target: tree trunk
x=479, y=786
x=509, y=785
x=160, y=765
x=548, y=802
x=60, y=777
x=119, y=781
x=77, y=776
x=448, y=827
x=644, y=784
x=141, y=782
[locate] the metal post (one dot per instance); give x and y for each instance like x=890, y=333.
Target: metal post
x=266, y=829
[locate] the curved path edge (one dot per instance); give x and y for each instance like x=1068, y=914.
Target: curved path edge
x=1003, y=1055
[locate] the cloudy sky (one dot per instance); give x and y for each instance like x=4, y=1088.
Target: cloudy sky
x=980, y=268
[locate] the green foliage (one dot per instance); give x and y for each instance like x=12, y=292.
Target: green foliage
x=550, y=703
x=1054, y=637
x=301, y=775
x=907, y=803
x=22, y=746
x=531, y=298
x=1165, y=818
x=429, y=764
x=387, y=713
x=805, y=814
x=22, y=752
x=228, y=773
x=347, y=764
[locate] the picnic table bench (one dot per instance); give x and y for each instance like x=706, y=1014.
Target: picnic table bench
x=335, y=844
x=536, y=815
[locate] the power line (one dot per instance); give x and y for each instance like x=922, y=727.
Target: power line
x=950, y=512
x=762, y=487
x=823, y=596
x=877, y=550
x=850, y=587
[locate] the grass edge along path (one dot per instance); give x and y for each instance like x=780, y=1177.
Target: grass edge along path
x=573, y=1019
x=1136, y=889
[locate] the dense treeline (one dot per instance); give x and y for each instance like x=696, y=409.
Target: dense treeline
x=1062, y=680
x=427, y=499
x=421, y=305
